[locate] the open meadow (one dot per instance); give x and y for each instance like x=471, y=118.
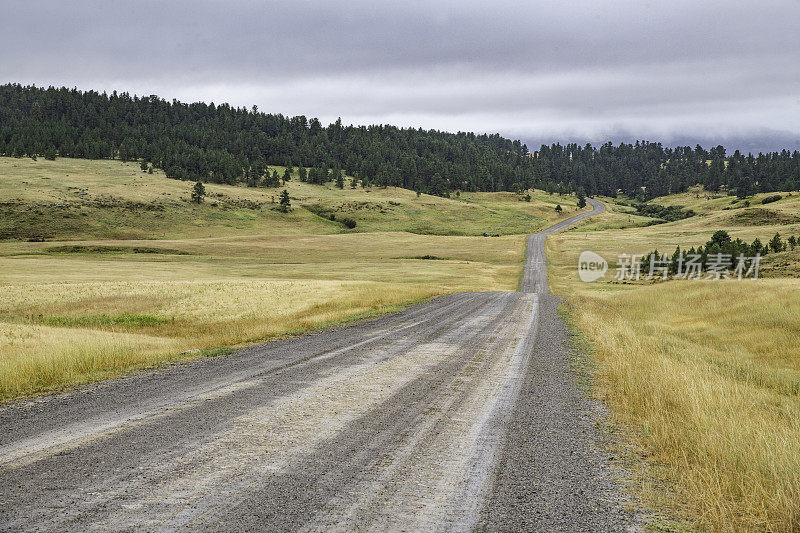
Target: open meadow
x=703, y=376
x=106, y=268
x=79, y=199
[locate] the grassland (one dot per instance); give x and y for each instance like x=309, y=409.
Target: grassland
x=130, y=273
x=703, y=376
x=80, y=199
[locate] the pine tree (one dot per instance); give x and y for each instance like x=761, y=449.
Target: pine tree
x=757, y=247
x=285, y=201
x=224, y=144
x=198, y=192
x=776, y=244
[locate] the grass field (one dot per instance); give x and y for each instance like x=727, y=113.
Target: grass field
x=703, y=376
x=131, y=273
x=80, y=199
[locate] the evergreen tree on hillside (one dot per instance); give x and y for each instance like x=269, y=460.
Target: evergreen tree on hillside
x=438, y=186
x=198, y=193
x=285, y=201
x=757, y=247
x=776, y=243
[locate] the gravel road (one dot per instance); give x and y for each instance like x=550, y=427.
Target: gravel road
x=457, y=414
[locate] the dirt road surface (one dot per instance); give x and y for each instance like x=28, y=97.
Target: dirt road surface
x=458, y=414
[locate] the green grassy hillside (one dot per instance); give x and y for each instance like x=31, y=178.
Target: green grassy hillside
x=73, y=198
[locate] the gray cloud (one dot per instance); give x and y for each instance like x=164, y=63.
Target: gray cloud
x=536, y=70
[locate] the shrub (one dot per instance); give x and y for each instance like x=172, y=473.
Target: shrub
x=772, y=198
x=669, y=214
x=349, y=223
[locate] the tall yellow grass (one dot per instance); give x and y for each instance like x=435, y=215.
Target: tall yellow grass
x=38, y=358
x=192, y=315
x=68, y=318
x=227, y=272
x=704, y=376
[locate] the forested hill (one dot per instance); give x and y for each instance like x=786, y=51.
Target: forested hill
x=227, y=145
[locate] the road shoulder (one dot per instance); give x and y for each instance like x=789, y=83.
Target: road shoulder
x=554, y=472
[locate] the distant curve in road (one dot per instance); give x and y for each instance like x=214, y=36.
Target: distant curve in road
x=456, y=414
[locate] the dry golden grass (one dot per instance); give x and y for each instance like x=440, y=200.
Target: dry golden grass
x=38, y=358
x=710, y=203
x=132, y=273
x=68, y=318
x=703, y=376
x=98, y=336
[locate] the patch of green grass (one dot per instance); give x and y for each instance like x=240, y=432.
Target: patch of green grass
x=130, y=320
x=658, y=524
x=102, y=249
x=68, y=318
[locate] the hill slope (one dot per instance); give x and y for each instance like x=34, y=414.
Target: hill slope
x=75, y=198
x=131, y=273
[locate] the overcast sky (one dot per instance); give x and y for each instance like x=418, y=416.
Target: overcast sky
x=709, y=71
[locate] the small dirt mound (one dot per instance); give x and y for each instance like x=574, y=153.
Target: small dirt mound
x=758, y=216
